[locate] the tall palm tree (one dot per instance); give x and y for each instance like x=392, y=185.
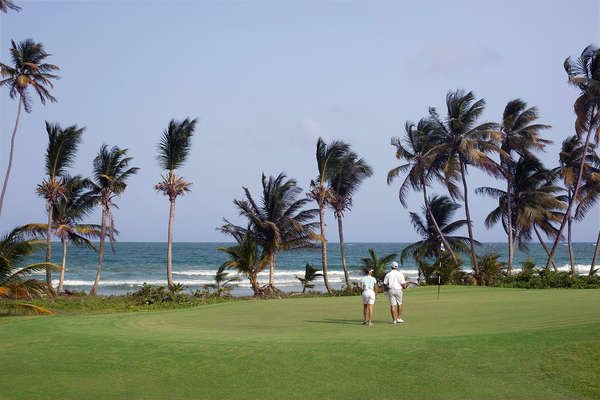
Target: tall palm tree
x=377, y=264
x=534, y=200
x=173, y=149
x=570, y=158
x=28, y=70
x=244, y=257
x=584, y=73
x=60, y=155
x=421, y=169
x=328, y=157
x=6, y=4
x=110, y=173
x=279, y=223
x=461, y=143
x=442, y=209
x=519, y=135
x=344, y=183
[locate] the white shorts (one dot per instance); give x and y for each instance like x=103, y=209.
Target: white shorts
x=395, y=296
x=368, y=297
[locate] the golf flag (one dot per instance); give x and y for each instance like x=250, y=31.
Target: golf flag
x=442, y=247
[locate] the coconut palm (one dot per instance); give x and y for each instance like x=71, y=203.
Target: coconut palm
x=378, y=265
x=244, y=257
x=520, y=135
x=584, y=73
x=460, y=143
x=6, y=4
x=223, y=283
x=572, y=152
x=310, y=274
x=279, y=223
x=15, y=249
x=420, y=168
x=28, y=69
x=60, y=155
x=343, y=184
x=110, y=173
x=442, y=209
x=535, y=201
x=173, y=149
x=328, y=158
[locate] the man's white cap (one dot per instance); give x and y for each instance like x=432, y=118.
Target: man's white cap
x=394, y=264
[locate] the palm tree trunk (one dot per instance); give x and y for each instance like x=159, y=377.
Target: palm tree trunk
x=253, y=283
x=468, y=215
x=575, y=193
x=511, y=241
x=64, y=263
x=10, y=157
x=595, y=255
x=324, y=246
x=272, y=270
x=100, y=254
x=437, y=227
x=570, y=243
x=341, y=233
x=49, y=250
x=544, y=246
x=170, y=245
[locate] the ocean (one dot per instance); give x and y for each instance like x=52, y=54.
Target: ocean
x=195, y=264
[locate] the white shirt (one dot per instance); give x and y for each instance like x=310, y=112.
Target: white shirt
x=394, y=279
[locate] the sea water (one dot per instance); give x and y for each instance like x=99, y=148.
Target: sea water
x=195, y=264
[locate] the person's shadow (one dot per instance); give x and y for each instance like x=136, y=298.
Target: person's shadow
x=336, y=321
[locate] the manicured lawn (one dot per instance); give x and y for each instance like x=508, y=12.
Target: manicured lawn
x=472, y=343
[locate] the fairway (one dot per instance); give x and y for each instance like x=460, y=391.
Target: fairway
x=471, y=343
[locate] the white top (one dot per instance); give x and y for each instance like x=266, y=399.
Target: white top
x=394, y=279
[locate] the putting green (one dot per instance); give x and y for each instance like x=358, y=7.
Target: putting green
x=471, y=343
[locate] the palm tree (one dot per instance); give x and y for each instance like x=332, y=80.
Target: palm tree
x=520, y=135
x=570, y=157
x=584, y=73
x=60, y=155
x=535, y=204
x=310, y=274
x=279, y=223
x=15, y=249
x=223, y=283
x=27, y=70
x=442, y=209
x=378, y=265
x=245, y=258
x=420, y=168
x=6, y=4
x=173, y=150
x=344, y=183
x=110, y=173
x=328, y=160
x=461, y=143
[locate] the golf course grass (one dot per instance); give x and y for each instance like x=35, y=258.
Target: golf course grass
x=472, y=343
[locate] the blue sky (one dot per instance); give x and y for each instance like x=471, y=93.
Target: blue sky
x=266, y=79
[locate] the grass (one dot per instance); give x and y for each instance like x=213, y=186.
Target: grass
x=473, y=343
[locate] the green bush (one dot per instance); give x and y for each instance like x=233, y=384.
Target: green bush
x=542, y=278
x=149, y=294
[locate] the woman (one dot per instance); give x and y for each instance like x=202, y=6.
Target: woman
x=369, y=294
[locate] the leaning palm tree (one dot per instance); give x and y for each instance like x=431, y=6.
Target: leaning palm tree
x=60, y=155
x=28, y=70
x=584, y=73
x=244, y=257
x=328, y=157
x=570, y=161
x=442, y=209
x=280, y=223
x=6, y=4
x=462, y=143
x=520, y=135
x=110, y=173
x=420, y=168
x=535, y=202
x=377, y=264
x=15, y=250
x=344, y=183
x=173, y=149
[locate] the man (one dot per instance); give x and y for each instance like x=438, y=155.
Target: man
x=394, y=282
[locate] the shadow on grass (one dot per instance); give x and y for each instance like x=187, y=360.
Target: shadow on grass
x=336, y=321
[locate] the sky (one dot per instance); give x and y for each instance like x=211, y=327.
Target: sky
x=265, y=79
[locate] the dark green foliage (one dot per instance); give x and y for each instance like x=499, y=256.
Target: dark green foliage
x=310, y=274
x=175, y=144
x=450, y=272
x=378, y=265
x=531, y=277
x=62, y=148
x=491, y=270
x=149, y=294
